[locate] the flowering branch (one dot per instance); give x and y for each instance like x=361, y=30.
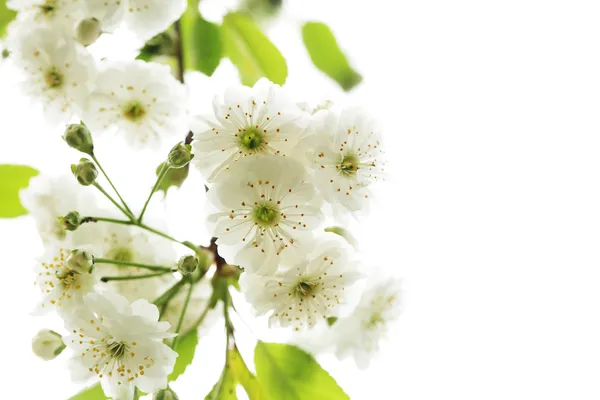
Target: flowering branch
x=134, y=264
x=133, y=277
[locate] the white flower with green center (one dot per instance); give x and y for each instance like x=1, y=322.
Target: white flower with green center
x=143, y=101
x=347, y=159
x=58, y=73
x=266, y=212
x=359, y=334
x=247, y=122
x=120, y=343
x=59, y=14
x=145, y=18
x=307, y=293
x=62, y=289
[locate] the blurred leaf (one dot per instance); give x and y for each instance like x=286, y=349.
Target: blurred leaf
x=174, y=177
x=92, y=393
x=225, y=388
x=12, y=179
x=287, y=372
x=251, y=51
x=201, y=41
x=186, y=348
x=327, y=56
x=244, y=376
x=6, y=16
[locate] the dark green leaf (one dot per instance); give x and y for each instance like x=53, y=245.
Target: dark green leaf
x=327, y=55
x=174, y=177
x=186, y=348
x=251, y=51
x=92, y=393
x=6, y=16
x=201, y=41
x=286, y=372
x=12, y=179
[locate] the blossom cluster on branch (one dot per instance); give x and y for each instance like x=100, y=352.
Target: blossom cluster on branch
x=275, y=171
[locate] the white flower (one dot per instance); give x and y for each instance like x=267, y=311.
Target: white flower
x=248, y=121
x=47, y=344
x=59, y=14
x=145, y=18
x=58, y=72
x=266, y=211
x=121, y=344
x=307, y=293
x=360, y=333
x=348, y=158
x=62, y=289
x=142, y=100
x=49, y=197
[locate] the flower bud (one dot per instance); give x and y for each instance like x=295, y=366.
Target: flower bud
x=47, y=344
x=78, y=136
x=88, y=31
x=180, y=155
x=188, y=264
x=166, y=394
x=85, y=172
x=71, y=221
x=80, y=262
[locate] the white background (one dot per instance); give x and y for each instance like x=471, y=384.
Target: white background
x=490, y=113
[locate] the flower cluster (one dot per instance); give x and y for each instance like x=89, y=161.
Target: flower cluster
x=275, y=173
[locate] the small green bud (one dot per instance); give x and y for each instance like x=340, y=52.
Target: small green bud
x=71, y=221
x=5, y=53
x=180, y=155
x=80, y=262
x=85, y=172
x=188, y=264
x=166, y=394
x=47, y=344
x=78, y=136
x=88, y=31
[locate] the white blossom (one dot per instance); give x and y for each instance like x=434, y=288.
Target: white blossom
x=306, y=293
x=121, y=343
x=145, y=18
x=58, y=14
x=360, y=333
x=246, y=122
x=266, y=210
x=347, y=159
x=47, y=344
x=143, y=101
x=58, y=72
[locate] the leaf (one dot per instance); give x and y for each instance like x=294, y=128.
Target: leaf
x=251, y=51
x=286, y=372
x=186, y=348
x=6, y=16
x=327, y=56
x=92, y=393
x=174, y=177
x=201, y=41
x=12, y=179
x=225, y=388
x=244, y=376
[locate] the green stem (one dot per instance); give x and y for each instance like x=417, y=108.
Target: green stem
x=169, y=293
x=199, y=321
x=111, y=184
x=182, y=316
x=132, y=277
x=160, y=177
x=133, y=264
x=109, y=197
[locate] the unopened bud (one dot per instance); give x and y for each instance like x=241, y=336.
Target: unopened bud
x=5, y=53
x=88, y=31
x=166, y=394
x=188, y=264
x=71, y=221
x=180, y=155
x=80, y=262
x=78, y=136
x=47, y=344
x=85, y=172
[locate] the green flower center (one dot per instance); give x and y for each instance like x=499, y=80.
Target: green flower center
x=117, y=349
x=121, y=254
x=305, y=289
x=53, y=78
x=48, y=7
x=134, y=111
x=376, y=319
x=266, y=215
x=349, y=164
x=251, y=139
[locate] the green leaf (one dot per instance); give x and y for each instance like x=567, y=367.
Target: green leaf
x=244, y=376
x=186, y=348
x=201, y=41
x=251, y=51
x=225, y=388
x=327, y=56
x=174, y=177
x=6, y=16
x=92, y=393
x=12, y=179
x=286, y=372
